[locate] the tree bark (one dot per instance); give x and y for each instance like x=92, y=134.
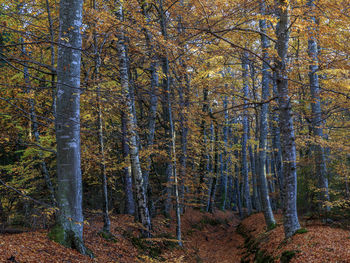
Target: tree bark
x=290, y=216
x=265, y=86
x=317, y=122
x=224, y=158
x=129, y=103
x=129, y=197
x=69, y=227
x=244, y=168
x=102, y=161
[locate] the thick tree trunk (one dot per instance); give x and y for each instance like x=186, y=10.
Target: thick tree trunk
x=129, y=103
x=69, y=227
x=317, y=122
x=291, y=222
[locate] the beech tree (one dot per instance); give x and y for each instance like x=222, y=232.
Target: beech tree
x=69, y=225
x=289, y=170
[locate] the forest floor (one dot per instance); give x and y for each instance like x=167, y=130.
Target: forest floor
x=207, y=239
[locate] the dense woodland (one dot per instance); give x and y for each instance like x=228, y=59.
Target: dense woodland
x=158, y=107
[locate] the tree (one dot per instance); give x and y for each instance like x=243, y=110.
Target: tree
x=129, y=101
x=289, y=170
x=265, y=91
x=317, y=122
x=69, y=226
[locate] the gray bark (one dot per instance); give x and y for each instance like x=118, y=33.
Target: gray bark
x=106, y=221
x=224, y=175
x=244, y=169
x=171, y=166
x=211, y=201
x=236, y=190
x=102, y=161
x=317, y=122
x=276, y=143
x=129, y=103
x=256, y=200
x=69, y=193
x=290, y=222
x=203, y=157
x=265, y=85
x=129, y=197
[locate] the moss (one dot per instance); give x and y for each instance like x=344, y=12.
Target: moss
x=108, y=236
x=287, y=255
x=68, y=239
x=271, y=226
x=301, y=231
x=57, y=234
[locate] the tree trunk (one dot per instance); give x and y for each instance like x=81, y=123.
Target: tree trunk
x=276, y=143
x=69, y=227
x=244, y=168
x=129, y=197
x=291, y=222
x=317, y=122
x=129, y=103
x=102, y=161
x=224, y=159
x=34, y=129
x=265, y=85
x=211, y=202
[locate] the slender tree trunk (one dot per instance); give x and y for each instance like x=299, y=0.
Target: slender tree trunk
x=129, y=197
x=143, y=211
x=291, y=222
x=69, y=228
x=52, y=51
x=256, y=200
x=224, y=176
x=203, y=154
x=237, y=192
x=263, y=186
x=245, y=174
x=106, y=221
x=102, y=161
x=276, y=143
x=35, y=131
x=211, y=203
x=184, y=132
x=317, y=122
x=171, y=167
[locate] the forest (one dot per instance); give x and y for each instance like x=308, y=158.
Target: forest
x=174, y=131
